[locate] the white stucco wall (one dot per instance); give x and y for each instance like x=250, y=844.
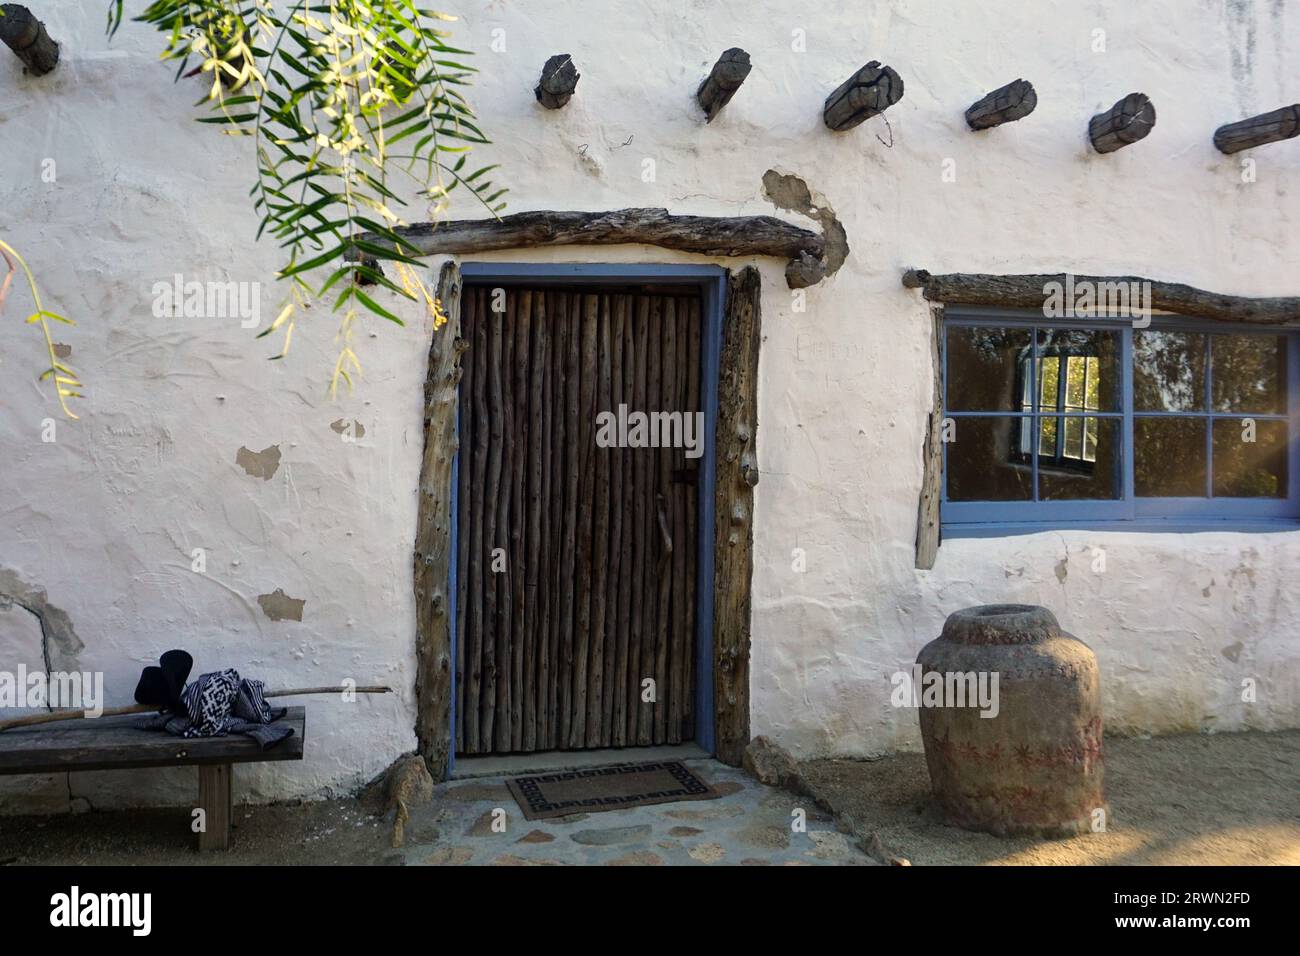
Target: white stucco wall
x=105, y=518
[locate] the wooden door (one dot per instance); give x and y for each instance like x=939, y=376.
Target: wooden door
x=577, y=543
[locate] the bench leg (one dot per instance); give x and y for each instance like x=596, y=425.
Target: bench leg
x=215, y=801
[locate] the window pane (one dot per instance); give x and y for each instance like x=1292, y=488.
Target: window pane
x=1047, y=437
x=985, y=460
x=1072, y=476
x=1076, y=374
x=1049, y=375
x=1248, y=373
x=1249, y=469
x=1168, y=371
x=1169, y=457
x=1074, y=438
x=1091, y=366
x=985, y=369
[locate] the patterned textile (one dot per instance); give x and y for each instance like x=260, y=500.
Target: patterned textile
x=220, y=703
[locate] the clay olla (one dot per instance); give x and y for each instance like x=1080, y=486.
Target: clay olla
x=1035, y=768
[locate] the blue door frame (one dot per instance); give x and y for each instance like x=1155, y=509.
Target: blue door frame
x=711, y=281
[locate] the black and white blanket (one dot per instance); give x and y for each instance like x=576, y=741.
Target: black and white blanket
x=221, y=703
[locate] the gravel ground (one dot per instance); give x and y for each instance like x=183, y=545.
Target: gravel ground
x=1222, y=799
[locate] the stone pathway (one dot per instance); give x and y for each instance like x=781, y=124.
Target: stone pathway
x=477, y=822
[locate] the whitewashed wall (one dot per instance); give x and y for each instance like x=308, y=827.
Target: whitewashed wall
x=105, y=519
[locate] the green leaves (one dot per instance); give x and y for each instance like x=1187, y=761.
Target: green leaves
x=66, y=382
x=327, y=89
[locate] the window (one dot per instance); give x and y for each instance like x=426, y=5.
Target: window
x=1095, y=421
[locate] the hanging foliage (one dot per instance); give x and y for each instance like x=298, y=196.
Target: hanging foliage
x=66, y=383
x=340, y=97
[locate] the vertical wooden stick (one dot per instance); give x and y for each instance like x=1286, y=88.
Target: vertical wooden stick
x=465, y=492
x=693, y=405
x=641, y=518
x=533, y=615
x=478, y=623
x=587, y=459
x=612, y=681
x=664, y=496
x=573, y=436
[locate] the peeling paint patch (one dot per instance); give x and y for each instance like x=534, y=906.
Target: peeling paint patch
x=60, y=643
x=789, y=192
x=1233, y=651
x=260, y=464
x=278, y=606
x=349, y=428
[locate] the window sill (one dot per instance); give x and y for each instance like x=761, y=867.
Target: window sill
x=1003, y=529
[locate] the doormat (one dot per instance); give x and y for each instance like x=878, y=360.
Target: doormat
x=607, y=788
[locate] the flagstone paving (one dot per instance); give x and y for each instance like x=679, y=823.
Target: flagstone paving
x=479, y=824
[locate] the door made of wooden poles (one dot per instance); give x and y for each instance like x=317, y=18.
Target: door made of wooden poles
x=580, y=437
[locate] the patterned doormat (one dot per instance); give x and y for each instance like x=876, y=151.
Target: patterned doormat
x=607, y=788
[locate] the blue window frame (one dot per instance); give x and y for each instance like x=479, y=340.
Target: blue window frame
x=1182, y=424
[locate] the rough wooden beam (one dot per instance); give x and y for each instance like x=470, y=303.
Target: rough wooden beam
x=26, y=36
x=737, y=474
x=559, y=80
x=1030, y=292
x=433, y=533
x=1006, y=104
x=1258, y=130
x=867, y=93
x=705, y=235
x=1128, y=121
x=721, y=84
x=928, y=528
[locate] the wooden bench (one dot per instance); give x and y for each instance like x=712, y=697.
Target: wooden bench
x=115, y=743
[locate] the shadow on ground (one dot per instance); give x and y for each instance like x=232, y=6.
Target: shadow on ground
x=1220, y=799
x=469, y=822
x=1199, y=799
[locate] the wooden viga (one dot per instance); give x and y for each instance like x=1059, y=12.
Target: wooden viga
x=1128, y=121
x=1258, y=130
x=867, y=93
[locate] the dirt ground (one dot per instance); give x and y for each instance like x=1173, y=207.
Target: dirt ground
x=1222, y=799
x=467, y=823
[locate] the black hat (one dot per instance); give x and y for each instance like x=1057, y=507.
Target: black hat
x=161, y=686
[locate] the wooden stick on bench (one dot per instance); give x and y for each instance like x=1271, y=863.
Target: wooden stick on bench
x=148, y=708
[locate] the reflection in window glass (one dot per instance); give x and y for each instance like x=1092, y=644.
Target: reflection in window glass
x=1169, y=457
x=1073, y=478
x=1247, y=373
x=1246, y=468
x=980, y=466
x=1168, y=371
x=983, y=365
x=1208, y=412
x=1090, y=359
